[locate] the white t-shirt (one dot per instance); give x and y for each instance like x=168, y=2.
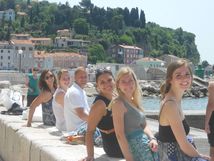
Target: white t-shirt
x=59, y=112
x=75, y=97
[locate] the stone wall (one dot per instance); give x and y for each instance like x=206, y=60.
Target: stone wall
x=39, y=143
x=195, y=120
x=13, y=77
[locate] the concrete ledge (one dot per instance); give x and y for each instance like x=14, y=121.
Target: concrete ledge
x=195, y=118
x=38, y=143
x=42, y=143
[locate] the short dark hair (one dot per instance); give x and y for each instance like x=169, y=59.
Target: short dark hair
x=35, y=69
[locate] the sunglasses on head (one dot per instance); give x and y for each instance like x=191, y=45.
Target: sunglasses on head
x=50, y=76
x=103, y=70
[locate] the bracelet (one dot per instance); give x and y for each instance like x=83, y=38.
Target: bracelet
x=152, y=138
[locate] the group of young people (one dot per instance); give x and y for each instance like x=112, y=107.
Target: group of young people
x=117, y=113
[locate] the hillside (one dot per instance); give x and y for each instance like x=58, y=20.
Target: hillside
x=103, y=27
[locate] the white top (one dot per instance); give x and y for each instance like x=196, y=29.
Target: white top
x=75, y=97
x=59, y=112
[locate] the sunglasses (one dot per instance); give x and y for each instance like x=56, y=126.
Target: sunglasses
x=103, y=70
x=50, y=76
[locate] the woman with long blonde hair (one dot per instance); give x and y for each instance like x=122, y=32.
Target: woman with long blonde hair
x=134, y=135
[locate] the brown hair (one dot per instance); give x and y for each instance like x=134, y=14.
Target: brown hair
x=42, y=83
x=165, y=86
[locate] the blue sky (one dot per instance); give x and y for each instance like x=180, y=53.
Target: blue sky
x=194, y=16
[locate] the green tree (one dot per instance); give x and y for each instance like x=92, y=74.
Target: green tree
x=117, y=23
x=142, y=19
x=10, y=4
x=125, y=39
x=81, y=26
x=22, y=23
x=205, y=64
x=96, y=54
x=86, y=4
x=126, y=16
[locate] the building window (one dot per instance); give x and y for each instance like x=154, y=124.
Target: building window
x=8, y=51
x=8, y=57
x=1, y=57
x=30, y=48
x=23, y=48
x=1, y=51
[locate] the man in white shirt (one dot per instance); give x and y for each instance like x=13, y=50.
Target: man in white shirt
x=76, y=107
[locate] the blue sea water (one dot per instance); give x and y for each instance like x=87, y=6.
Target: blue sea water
x=187, y=103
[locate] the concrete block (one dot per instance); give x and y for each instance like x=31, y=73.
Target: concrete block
x=11, y=144
x=24, y=149
x=2, y=139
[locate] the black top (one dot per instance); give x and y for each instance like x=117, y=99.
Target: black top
x=166, y=133
x=110, y=143
x=211, y=121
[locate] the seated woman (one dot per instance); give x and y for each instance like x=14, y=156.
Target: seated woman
x=173, y=128
x=100, y=116
x=133, y=133
x=64, y=81
x=47, y=86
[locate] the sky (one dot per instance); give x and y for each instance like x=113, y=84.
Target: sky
x=193, y=16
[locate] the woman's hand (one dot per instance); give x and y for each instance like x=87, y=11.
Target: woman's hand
x=153, y=144
x=205, y=157
x=207, y=128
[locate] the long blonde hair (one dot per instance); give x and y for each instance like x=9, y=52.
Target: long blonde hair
x=137, y=93
x=165, y=87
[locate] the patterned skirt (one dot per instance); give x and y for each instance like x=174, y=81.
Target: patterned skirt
x=82, y=129
x=138, y=144
x=172, y=152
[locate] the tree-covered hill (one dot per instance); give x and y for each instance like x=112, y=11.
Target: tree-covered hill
x=103, y=27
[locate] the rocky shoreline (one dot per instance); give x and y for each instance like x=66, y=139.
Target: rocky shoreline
x=151, y=88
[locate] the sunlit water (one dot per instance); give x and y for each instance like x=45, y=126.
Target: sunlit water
x=187, y=103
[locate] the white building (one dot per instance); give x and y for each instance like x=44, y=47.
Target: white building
x=7, y=60
x=61, y=42
x=7, y=15
x=23, y=54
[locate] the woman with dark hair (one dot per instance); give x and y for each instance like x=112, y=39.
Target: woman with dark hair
x=100, y=116
x=174, y=144
x=47, y=86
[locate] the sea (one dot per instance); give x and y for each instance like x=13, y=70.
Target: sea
x=153, y=104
